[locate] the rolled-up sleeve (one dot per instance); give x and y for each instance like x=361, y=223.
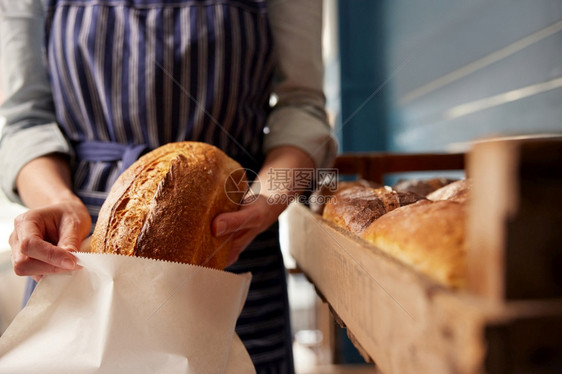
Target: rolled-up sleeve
x=299, y=117
x=30, y=128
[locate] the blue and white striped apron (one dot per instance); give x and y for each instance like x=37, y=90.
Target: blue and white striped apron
x=130, y=75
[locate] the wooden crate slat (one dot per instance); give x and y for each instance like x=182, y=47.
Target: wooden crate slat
x=389, y=309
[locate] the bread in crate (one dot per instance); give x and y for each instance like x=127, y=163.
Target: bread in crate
x=355, y=208
x=422, y=187
x=426, y=233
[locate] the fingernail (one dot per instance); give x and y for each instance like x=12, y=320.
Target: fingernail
x=68, y=263
x=221, y=228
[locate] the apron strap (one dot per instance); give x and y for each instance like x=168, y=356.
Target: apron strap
x=90, y=150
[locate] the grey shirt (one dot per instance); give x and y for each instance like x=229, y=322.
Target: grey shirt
x=31, y=131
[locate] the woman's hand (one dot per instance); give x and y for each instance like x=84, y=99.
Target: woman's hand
x=56, y=223
x=43, y=238
x=275, y=181
x=245, y=224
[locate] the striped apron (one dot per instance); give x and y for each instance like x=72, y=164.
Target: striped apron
x=130, y=75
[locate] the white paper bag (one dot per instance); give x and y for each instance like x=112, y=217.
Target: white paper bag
x=122, y=314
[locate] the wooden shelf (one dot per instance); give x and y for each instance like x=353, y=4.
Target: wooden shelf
x=406, y=323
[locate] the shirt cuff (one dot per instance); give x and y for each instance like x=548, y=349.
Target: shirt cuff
x=19, y=148
x=294, y=126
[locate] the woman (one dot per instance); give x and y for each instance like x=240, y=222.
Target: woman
x=124, y=76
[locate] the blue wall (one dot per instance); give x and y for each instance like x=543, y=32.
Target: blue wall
x=429, y=75
x=362, y=122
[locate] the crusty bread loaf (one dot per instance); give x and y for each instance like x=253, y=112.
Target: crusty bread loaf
x=354, y=208
x=428, y=235
x=456, y=191
x=393, y=199
x=422, y=187
x=320, y=196
x=357, y=207
x=163, y=205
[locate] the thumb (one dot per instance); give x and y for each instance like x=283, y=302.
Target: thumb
x=227, y=223
x=69, y=238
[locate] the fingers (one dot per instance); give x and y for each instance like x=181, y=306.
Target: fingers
x=244, y=225
x=41, y=250
x=35, y=256
x=35, y=268
x=32, y=254
x=228, y=223
x=239, y=243
x=74, y=225
x=85, y=245
x=241, y=226
x=68, y=234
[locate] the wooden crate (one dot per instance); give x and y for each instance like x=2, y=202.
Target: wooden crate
x=406, y=323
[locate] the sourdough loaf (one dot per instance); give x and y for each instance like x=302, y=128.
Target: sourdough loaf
x=428, y=235
x=163, y=205
x=357, y=207
x=422, y=187
x=320, y=196
x=456, y=191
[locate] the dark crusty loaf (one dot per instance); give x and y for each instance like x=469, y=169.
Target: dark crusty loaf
x=320, y=196
x=357, y=207
x=422, y=187
x=163, y=205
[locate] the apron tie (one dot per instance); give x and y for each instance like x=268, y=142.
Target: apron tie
x=90, y=150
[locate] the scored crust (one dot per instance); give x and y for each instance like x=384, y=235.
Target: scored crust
x=163, y=205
